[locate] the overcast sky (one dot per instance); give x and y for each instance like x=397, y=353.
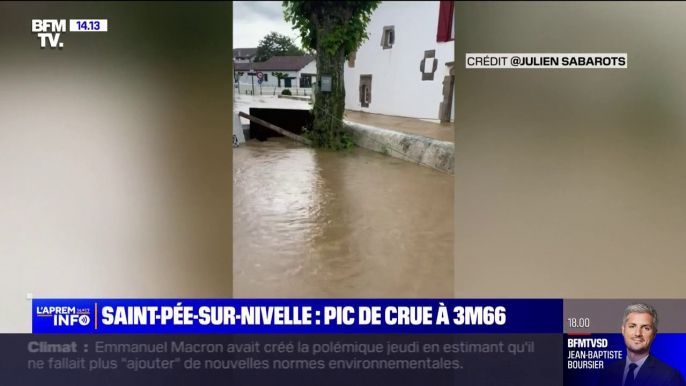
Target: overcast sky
x=252, y=20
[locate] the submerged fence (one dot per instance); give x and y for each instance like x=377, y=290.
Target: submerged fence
x=268, y=89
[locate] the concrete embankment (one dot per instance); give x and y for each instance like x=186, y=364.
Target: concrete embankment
x=296, y=97
x=412, y=148
x=409, y=147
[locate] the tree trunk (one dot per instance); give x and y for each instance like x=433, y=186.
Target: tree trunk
x=329, y=106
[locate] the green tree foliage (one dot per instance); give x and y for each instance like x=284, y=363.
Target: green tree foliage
x=276, y=44
x=334, y=30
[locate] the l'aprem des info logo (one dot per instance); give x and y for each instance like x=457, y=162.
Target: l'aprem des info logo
x=65, y=316
x=50, y=31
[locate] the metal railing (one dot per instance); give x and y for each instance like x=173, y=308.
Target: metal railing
x=269, y=89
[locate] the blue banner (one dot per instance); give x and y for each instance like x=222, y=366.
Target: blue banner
x=284, y=316
x=584, y=364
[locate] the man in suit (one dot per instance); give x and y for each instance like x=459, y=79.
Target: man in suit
x=640, y=368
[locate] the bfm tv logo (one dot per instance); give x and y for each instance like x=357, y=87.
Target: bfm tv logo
x=65, y=316
x=41, y=28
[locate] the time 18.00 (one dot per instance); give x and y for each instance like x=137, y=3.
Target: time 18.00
x=579, y=322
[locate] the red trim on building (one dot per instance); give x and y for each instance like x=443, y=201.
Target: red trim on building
x=445, y=21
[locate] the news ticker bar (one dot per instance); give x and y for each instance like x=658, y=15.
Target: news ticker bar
x=431, y=359
x=503, y=60
x=561, y=333
x=572, y=316
x=109, y=316
x=288, y=359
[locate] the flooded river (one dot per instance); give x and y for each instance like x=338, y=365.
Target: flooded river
x=312, y=223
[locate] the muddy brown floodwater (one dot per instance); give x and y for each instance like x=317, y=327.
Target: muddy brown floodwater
x=312, y=223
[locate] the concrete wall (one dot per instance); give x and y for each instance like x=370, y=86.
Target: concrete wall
x=420, y=150
x=397, y=86
x=571, y=183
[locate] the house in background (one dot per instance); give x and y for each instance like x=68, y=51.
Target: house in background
x=405, y=68
x=299, y=70
x=244, y=55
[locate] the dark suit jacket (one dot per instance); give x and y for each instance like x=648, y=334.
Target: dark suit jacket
x=653, y=373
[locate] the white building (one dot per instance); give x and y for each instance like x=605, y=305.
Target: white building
x=299, y=71
x=405, y=68
x=244, y=55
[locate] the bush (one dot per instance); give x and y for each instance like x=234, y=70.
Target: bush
x=286, y=92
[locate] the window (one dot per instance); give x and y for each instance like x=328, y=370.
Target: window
x=266, y=77
x=366, y=95
x=388, y=37
x=445, y=21
x=365, y=90
x=305, y=81
x=428, y=65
